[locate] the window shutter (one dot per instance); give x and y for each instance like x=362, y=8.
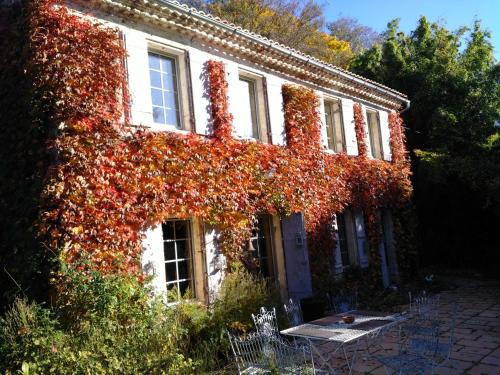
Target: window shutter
x=385, y=133
x=350, y=134
x=298, y=273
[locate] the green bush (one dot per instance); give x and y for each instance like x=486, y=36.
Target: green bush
x=110, y=324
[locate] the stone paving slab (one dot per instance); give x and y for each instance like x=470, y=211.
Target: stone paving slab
x=476, y=348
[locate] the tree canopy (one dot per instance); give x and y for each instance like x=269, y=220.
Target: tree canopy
x=453, y=82
x=295, y=23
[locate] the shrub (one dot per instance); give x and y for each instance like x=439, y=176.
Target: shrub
x=111, y=324
x=119, y=330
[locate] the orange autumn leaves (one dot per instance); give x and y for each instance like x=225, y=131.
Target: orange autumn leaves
x=109, y=184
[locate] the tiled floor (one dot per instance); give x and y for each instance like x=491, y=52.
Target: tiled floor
x=476, y=348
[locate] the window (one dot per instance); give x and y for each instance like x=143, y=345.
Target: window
x=163, y=76
x=248, y=121
x=178, y=256
x=334, y=127
x=374, y=134
x=342, y=237
x=261, y=246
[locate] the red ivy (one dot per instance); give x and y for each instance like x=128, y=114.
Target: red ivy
x=110, y=185
x=360, y=129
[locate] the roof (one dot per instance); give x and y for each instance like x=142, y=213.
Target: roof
x=253, y=47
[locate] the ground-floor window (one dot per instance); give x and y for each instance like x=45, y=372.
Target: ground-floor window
x=177, y=250
x=343, y=243
x=261, y=246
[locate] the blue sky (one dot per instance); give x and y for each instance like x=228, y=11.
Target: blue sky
x=456, y=13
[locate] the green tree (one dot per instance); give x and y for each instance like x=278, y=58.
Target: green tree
x=453, y=82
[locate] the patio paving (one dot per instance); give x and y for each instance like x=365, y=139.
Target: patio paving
x=476, y=348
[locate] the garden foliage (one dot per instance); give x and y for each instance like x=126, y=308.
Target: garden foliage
x=106, y=324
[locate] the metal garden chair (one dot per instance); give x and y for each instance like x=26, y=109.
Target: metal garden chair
x=423, y=310
x=423, y=351
x=258, y=353
x=342, y=302
x=266, y=323
x=293, y=313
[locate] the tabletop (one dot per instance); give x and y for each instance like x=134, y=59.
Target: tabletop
x=332, y=328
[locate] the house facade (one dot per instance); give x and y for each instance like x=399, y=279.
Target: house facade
x=168, y=46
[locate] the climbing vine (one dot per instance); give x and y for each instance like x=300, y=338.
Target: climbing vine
x=109, y=181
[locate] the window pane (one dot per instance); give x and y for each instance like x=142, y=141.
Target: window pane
x=168, y=230
x=157, y=97
x=155, y=78
x=182, y=229
x=170, y=99
x=154, y=61
x=169, y=250
x=171, y=117
x=183, y=287
x=168, y=66
x=159, y=115
x=182, y=249
x=169, y=82
x=171, y=271
x=183, y=270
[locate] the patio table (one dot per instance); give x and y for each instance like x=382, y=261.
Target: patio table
x=367, y=324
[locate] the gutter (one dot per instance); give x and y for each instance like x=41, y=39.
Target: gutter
x=286, y=51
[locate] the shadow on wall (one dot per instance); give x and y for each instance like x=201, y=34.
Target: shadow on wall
x=24, y=161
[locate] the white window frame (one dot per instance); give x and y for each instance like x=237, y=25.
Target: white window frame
x=182, y=83
x=191, y=259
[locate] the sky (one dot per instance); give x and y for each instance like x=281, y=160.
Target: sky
x=455, y=13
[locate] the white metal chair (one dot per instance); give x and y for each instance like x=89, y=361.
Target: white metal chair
x=423, y=351
x=258, y=353
x=293, y=313
x=266, y=323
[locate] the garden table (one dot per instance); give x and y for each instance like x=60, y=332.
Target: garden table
x=332, y=329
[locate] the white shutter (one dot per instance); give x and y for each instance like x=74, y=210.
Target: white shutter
x=367, y=132
x=201, y=105
x=276, y=117
x=385, y=134
x=138, y=73
x=324, y=140
x=152, y=258
x=350, y=134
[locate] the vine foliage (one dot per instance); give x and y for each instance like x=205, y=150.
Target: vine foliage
x=105, y=182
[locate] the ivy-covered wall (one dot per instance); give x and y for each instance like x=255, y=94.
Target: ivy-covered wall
x=83, y=184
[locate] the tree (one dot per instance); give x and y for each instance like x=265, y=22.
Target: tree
x=452, y=129
x=294, y=23
x=358, y=36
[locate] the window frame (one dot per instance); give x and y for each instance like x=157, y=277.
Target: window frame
x=332, y=101
x=182, y=80
x=374, y=145
x=270, y=251
x=191, y=259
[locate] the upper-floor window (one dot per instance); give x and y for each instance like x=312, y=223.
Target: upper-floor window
x=374, y=134
x=334, y=126
x=163, y=73
x=177, y=244
x=248, y=120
